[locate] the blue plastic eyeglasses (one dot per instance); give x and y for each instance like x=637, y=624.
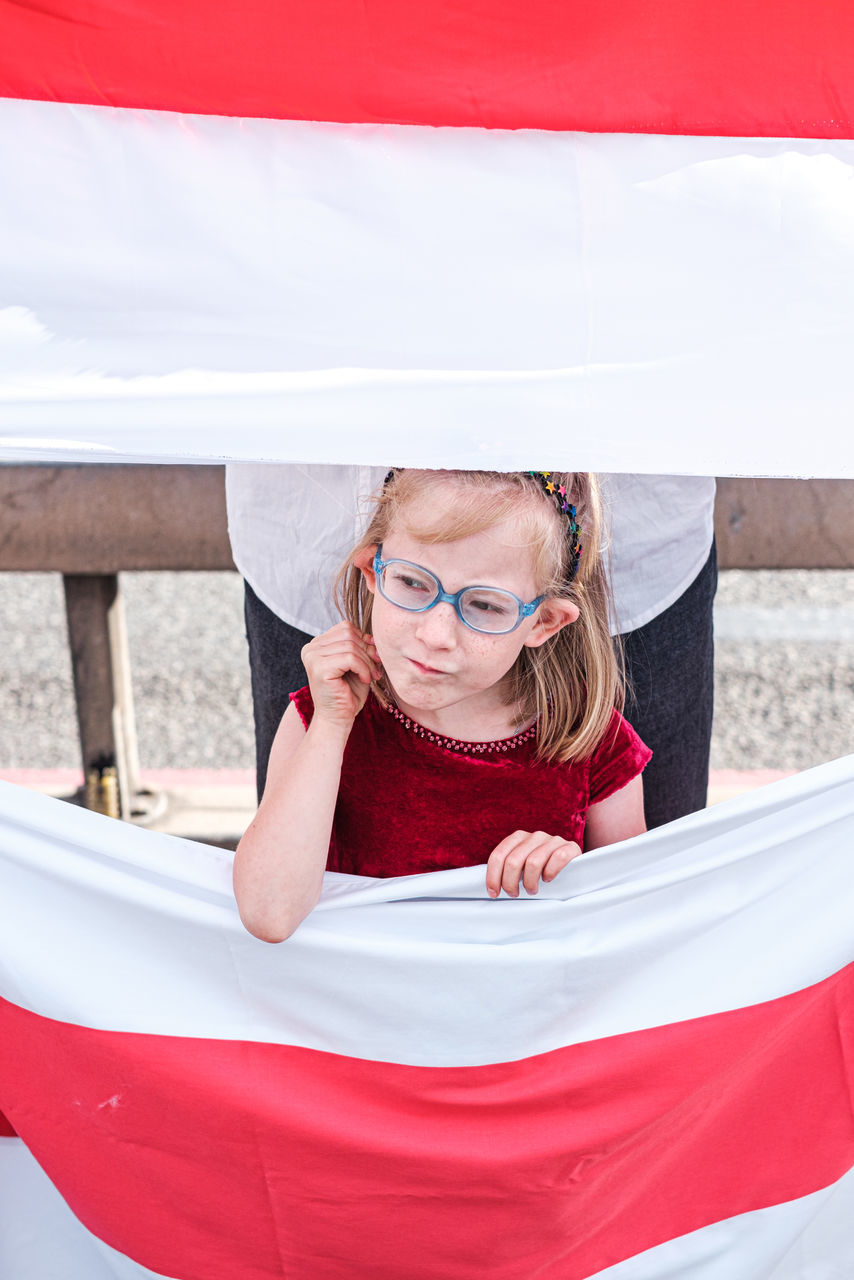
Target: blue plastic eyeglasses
x=488, y=609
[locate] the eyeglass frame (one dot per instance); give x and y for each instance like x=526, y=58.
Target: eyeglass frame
x=445, y=597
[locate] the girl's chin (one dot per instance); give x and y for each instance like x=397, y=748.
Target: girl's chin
x=420, y=693
x=409, y=674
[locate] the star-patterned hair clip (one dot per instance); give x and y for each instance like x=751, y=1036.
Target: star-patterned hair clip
x=558, y=493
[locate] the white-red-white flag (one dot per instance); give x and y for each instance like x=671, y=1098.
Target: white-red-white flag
x=643, y=1072
x=613, y=236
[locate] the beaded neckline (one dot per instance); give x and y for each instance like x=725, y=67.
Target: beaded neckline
x=454, y=744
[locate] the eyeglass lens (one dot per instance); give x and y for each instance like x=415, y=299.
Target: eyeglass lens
x=483, y=608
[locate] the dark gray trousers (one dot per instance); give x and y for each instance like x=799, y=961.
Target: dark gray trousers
x=670, y=671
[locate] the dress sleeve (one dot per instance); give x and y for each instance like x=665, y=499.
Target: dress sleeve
x=620, y=756
x=302, y=700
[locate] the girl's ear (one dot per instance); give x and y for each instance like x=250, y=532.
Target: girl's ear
x=364, y=562
x=552, y=616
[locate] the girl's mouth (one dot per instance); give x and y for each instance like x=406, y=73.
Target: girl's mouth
x=425, y=670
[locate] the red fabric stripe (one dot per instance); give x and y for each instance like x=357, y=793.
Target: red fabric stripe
x=737, y=67
x=207, y=1159
x=6, y=1130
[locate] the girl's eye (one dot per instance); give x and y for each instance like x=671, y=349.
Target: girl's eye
x=410, y=582
x=483, y=604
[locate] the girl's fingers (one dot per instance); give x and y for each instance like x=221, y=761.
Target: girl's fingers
x=514, y=865
x=332, y=661
x=341, y=665
x=511, y=858
x=350, y=669
x=542, y=848
x=346, y=663
x=536, y=862
x=559, y=860
x=524, y=858
x=495, y=866
x=340, y=636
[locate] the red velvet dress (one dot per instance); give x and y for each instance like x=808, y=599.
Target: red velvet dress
x=410, y=801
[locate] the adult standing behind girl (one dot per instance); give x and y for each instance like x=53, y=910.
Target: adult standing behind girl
x=291, y=525
x=465, y=712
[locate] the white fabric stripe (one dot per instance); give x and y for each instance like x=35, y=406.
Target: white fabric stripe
x=191, y=286
x=692, y=919
x=40, y=1238
x=806, y=1239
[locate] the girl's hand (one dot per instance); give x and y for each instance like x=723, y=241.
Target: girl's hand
x=527, y=857
x=340, y=665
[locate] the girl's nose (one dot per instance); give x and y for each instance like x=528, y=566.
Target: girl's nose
x=438, y=626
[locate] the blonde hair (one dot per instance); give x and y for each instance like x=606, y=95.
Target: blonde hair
x=573, y=681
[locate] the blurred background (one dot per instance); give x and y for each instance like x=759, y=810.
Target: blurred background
x=784, y=670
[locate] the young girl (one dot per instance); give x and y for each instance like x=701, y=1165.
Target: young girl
x=464, y=713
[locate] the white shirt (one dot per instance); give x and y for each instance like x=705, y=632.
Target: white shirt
x=660, y=531
x=292, y=526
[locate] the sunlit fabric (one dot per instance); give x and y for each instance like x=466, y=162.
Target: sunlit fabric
x=645, y=1070
x=613, y=237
